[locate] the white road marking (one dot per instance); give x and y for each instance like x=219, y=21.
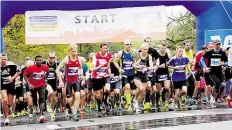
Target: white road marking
x=52, y=127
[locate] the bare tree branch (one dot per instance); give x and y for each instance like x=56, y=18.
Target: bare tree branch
x=175, y=19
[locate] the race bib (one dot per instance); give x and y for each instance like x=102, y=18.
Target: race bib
x=72, y=71
x=162, y=77
x=102, y=61
x=101, y=72
x=181, y=70
x=127, y=65
x=150, y=73
x=51, y=75
x=215, y=62
x=37, y=76
x=114, y=79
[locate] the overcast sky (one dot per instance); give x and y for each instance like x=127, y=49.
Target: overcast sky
x=175, y=11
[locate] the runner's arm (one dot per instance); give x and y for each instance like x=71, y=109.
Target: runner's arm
x=150, y=63
x=117, y=59
x=93, y=65
x=59, y=67
x=170, y=64
x=19, y=72
x=26, y=74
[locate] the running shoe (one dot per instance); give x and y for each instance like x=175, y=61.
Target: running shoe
x=228, y=103
x=42, y=119
x=53, y=117
x=6, y=122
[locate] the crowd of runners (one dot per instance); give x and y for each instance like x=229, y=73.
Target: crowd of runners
x=130, y=79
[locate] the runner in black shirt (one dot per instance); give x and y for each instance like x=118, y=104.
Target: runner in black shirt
x=154, y=54
x=9, y=72
x=216, y=59
x=162, y=77
x=51, y=84
x=115, y=84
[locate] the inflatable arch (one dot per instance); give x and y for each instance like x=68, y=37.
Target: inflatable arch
x=214, y=18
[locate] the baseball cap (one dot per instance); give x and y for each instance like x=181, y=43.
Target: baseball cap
x=216, y=42
x=203, y=47
x=28, y=58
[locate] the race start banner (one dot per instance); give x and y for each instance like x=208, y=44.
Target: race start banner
x=94, y=26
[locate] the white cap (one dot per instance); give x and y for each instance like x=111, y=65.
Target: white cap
x=52, y=54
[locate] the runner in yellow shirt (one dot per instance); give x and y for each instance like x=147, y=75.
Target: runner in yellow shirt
x=190, y=77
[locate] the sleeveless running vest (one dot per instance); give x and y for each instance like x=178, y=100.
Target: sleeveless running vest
x=51, y=75
x=104, y=71
x=72, y=70
x=127, y=63
x=144, y=62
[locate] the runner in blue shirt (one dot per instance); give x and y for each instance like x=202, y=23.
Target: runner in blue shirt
x=178, y=63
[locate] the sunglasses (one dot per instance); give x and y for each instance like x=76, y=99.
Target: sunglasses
x=148, y=41
x=38, y=60
x=52, y=57
x=128, y=44
x=3, y=59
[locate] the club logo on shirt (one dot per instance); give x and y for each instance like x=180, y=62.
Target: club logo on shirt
x=5, y=72
x=8, y=69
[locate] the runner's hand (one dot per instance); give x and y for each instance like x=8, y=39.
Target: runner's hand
x=101, y=65
x=111, y=75
x=10, y=79
x=206, y=70
x=162, y=66
x=61, y=84
x=121, y=71
x=30, y=86
x=144, y=69
x=177, y=67
x=221, y=63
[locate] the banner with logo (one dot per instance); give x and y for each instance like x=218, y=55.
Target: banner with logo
x=93, y=26
x=224, y=35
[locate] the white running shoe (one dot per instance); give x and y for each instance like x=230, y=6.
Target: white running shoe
x=6, y=122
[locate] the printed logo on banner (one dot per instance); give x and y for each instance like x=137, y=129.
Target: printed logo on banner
x=224, y=35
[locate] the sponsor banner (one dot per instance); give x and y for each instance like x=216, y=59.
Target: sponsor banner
x=224, y=35
x=92, y=26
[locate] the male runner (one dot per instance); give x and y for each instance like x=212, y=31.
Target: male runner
x=100, y=74
x=36, y=83
x=27, y=93
x=9, y=72
x=52, y=84
x=228, y=75
x=90, y=95
x=73, y=69
x=190, y=79
x=154, y=54
x=216, y=58
x=115, y=84
x=162, y=76
x=199, y=72
x=127, y=58
x=179, y=63
x=142, y=65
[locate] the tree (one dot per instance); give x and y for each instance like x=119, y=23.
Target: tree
x=181, y=28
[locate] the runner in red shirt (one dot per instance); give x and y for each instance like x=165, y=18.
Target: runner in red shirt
x=73, y=69
x=35, y=76
x=198, y=69
x=100, y=74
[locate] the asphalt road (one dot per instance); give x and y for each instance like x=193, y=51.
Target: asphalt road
x=220, y=118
